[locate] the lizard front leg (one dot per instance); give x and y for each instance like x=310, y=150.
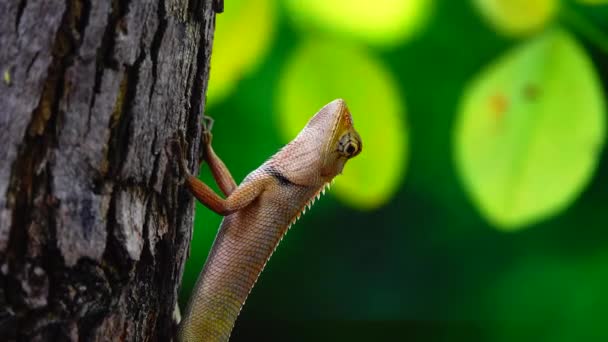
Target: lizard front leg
x=220, y=172
x=237, y=198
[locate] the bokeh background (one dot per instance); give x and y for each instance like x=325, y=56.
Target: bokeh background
x=478, y=208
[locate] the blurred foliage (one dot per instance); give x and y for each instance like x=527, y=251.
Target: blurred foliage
x=504, y=130
x=379, y=22
x=517, y=17
x=531, y=130
x=242, y=37
x=575, y=301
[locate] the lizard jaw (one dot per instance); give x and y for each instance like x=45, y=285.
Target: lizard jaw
x=310, y=202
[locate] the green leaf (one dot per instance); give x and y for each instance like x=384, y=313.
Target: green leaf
x=517, y=17
x=379, y=22
x=530, y=131
x=242, y=37
x=321, y=71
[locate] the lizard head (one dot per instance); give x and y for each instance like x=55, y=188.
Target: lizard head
x=322, y=148
x=340, y=140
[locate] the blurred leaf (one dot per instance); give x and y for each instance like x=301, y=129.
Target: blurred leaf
x=517, y=17
x=382, y=22
x=320, y=71
x=530, y=131
x=242, y=37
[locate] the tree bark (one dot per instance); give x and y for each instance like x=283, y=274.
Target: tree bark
x=94, y=228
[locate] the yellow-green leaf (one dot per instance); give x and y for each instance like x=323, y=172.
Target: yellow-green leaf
x=242, y=37
x=517, y=17
x=321, y=71
x=382, y=22
x=530, y=131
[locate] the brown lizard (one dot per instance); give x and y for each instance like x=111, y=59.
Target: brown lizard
x=258, y=213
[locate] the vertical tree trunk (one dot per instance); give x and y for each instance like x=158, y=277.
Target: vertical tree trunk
x=93, y=230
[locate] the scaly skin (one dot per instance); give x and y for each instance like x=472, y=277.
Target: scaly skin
x=258, y=213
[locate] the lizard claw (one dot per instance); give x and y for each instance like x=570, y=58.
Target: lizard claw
x=206, y=137
x=207, y=127
x=207, y=123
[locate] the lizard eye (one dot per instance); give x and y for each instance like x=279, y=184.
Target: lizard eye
x=349, y=145
x=351, y=149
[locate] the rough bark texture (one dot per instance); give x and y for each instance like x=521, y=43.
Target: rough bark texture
x=94, y=230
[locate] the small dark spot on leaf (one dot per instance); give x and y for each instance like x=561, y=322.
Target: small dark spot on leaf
x=531, y=92
x=499, y=104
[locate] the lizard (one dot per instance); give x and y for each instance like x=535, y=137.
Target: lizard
x=258, y=213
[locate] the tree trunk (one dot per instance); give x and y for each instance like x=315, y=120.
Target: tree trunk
x=94, y=229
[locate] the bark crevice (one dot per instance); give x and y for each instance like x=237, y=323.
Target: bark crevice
x=156, y=44
x=20, y=8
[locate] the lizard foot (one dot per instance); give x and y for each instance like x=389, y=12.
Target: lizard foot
x=206, y=137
